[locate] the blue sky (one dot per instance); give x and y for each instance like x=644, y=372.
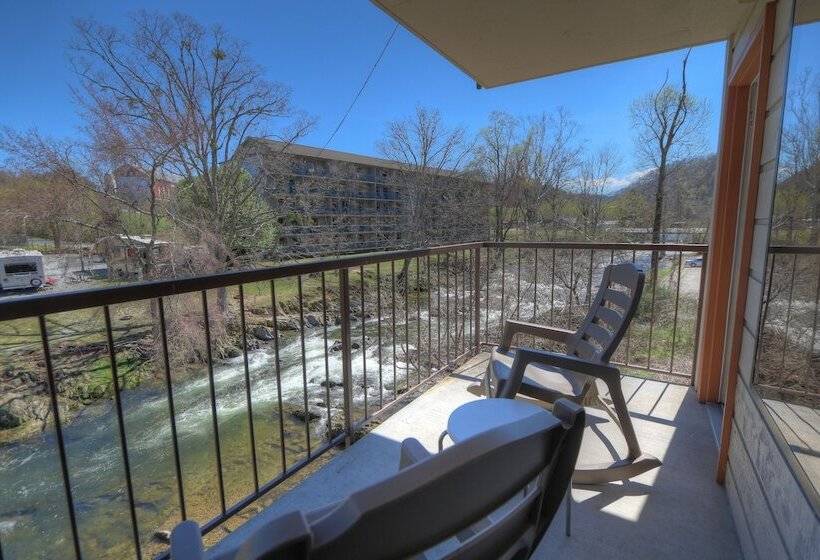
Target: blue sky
x=323, y=50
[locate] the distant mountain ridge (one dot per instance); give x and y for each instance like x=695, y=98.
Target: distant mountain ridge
x=687, y=194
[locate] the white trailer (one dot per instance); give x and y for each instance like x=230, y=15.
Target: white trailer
x=21, y=270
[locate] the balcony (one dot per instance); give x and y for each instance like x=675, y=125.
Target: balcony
x=208, y=398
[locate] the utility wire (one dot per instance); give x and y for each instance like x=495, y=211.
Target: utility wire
x=364, y=85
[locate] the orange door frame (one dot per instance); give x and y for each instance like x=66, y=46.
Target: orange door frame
x=750, y=64
x=754, y=64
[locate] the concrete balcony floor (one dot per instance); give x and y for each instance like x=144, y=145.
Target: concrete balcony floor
x=676, y=511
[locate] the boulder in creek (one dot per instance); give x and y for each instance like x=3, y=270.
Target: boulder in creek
x=298, y=412
x=262, y=332
x=288, y=323
x=8, y=419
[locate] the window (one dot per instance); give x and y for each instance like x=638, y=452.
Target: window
x=20, y=268
x=787, y=369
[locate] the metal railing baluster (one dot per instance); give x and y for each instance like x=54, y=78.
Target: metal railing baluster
x=652, y=311
x=347, y=357
x=278, y=369
x=58, y=430
x=364, y=339
x=518, y=287
x=629, y=329
x=429, y=323
x=469, y=273
x=327, y=360
x=464, y=305
x=447, y=308
x=248, y=399
x=589, y=280
x=675, y=318
x=487, y=297
x=816, y=302
x=304, y=360
x=535, y=286
x=438, y=309
x=407, y=355
x=552, y=289
x=477, y=299
x=169, y=393
x=788, y=312
x=571, y=287
x=393, y=304
x=418, y=321
x=455, y=303
x=503, y=275
x=212, y=395
x=698, y=315
x=379, y=330
x=126, y=462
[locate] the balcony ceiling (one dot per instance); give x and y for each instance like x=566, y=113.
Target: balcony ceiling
x=502, y=42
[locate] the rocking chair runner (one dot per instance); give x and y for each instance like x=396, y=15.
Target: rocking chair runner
x=548, y=376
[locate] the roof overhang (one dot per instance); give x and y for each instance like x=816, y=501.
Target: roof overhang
x=499, y=42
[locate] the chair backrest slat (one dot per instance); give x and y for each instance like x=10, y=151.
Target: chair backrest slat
x=597, y=333
x=618, y=298
x=609, y=314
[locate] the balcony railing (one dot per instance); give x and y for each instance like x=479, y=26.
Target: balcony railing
x=194, y=397
x=787, y=348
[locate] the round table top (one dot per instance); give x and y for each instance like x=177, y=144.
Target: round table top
x=479, y=416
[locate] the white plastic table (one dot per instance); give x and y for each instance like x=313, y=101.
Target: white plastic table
x=479, y=416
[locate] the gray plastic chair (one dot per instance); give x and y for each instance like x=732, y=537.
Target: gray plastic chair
x=548, y=376
x=434, y=502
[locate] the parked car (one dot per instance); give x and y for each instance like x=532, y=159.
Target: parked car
x=694, y=262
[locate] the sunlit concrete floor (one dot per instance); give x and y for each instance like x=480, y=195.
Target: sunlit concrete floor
x=676, y=511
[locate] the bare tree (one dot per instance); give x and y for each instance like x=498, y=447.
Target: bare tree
x=554, y=156
x=594, y=177
x=800, y=157
x=669, y=125
x=191, y=95
x=441, y=203
x=502, y=159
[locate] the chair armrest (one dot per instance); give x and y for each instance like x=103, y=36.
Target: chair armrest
x=412, y=452
x=511, y=328
x=527, y=356
x=186, y=542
